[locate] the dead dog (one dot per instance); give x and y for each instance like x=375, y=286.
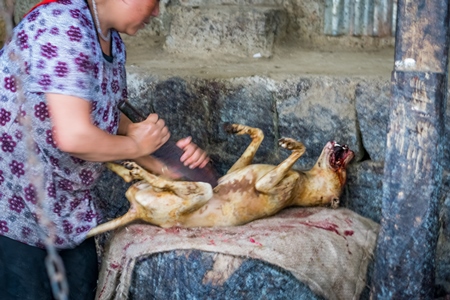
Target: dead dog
x=246, y=193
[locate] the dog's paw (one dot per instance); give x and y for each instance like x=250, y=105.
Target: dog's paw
x=231, y=128
x=291, y=144
x=130, y=165
x=239, y=129
x=134, y=169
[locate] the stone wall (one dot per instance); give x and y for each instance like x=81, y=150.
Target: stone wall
x=312, y=109
x=240, y=27
x=2, y=32
x=4, y=8
x=247, y=27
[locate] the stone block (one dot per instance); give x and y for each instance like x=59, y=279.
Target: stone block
x=310, y=109
x=194, y=3
x=443, y=247
x=190, y=272
x=225, y=30
x=235, y=108
x=2, y=32
x=315, y=110
x=372, y=108
x=6, y=21
x=203, y=106
x=364, y=191
x=446, y=145
x=22, y=7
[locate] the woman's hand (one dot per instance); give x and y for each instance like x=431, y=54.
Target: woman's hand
x=193, y=156
x=148, y=135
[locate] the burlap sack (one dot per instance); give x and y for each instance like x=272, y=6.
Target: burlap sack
x=329, y=250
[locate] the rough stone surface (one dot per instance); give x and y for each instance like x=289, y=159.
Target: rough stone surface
x=195, y=3
x=187, y=278
x=316, y=110
x=443, y=248
x=309, y=108
x=202, y=108
x=302, y=21
x=22, y=7
x=364, y=190
x=305, y=23
x=411, y=186
x=2, y=32
x=241, y=31
x=372, y=108
x=111, y=191
x=446, y=145
x=6, y=20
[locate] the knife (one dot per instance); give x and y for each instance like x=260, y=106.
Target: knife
x=169, y=153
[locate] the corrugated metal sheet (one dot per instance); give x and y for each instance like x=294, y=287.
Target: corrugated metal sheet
x=360, y=17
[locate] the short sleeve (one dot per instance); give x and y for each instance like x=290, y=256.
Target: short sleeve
x=63, y=52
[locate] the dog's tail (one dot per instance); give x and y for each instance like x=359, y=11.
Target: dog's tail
x=126, y=219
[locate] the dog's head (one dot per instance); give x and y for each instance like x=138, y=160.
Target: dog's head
x=335, y=157
x=328, y=176
x=333, y=161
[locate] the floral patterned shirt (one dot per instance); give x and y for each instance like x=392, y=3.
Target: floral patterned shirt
x=60, y=53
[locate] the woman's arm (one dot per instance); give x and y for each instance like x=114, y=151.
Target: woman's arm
x=74, y=132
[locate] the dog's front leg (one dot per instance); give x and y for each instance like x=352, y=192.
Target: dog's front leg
x=257, y=137
x=271, y=179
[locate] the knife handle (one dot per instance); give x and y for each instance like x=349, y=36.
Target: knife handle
x=169, y=153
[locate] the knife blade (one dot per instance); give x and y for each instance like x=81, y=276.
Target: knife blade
x=170, y=154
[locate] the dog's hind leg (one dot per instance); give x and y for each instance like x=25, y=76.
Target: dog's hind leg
x=257, y=137
x=193, y=194
x=271, y=179
x=154, y=199
x=183, y=189
x=127, y=218
x=132, y=214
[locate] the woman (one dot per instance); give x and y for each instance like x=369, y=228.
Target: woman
x=70, y=59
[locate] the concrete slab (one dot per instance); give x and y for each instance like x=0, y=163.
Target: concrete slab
x=235, y=30
x=230, y=2
x=2, y=32
x=287, y=61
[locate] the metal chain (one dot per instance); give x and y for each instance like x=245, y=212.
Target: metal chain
x=53, y=262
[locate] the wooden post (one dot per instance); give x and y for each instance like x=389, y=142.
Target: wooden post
x=405, y=254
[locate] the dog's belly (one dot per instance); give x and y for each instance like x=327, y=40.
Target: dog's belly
x=236, y=201
x=251, y=172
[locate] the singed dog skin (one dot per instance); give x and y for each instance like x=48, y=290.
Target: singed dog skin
x=246, y=193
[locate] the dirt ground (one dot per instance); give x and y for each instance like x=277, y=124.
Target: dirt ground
x=287, y=61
